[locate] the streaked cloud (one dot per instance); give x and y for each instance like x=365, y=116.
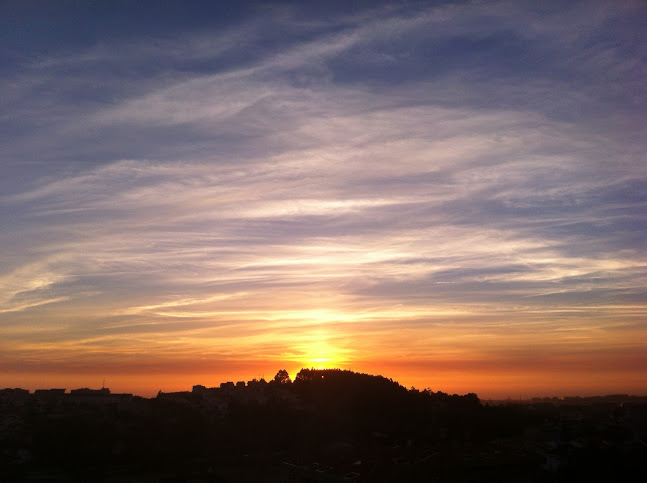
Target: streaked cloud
x=459, y=186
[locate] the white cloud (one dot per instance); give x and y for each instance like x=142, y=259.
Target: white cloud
x=272, y=195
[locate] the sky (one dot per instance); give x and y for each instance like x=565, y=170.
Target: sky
x=450, y=194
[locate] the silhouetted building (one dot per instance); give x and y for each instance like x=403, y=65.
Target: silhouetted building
x=49, y=393
x=90, y=392
x=257, y=383
x=13, y=395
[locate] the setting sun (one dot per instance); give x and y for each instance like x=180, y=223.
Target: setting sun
x=446, y=193
x=205, y=206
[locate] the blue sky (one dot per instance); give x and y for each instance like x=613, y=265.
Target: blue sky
x=413, y=187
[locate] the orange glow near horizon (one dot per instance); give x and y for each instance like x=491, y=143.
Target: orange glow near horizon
x=289, y=191
x=511, y=384
x=457, y=351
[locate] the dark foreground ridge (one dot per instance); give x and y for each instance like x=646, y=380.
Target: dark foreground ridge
x=327, y=425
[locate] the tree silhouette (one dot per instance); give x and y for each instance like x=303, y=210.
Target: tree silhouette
x=282, y=377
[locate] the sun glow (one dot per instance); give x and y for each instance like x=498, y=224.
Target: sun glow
x=320, y=350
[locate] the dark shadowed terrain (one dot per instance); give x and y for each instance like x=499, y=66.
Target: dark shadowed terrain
x=326, y=425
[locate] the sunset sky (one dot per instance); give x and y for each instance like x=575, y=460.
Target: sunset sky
x=450, y=194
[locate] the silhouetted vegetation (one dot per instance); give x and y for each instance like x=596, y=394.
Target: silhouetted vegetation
x=327, y=425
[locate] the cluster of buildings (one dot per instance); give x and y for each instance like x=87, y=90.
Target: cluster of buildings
x=18, y=397
x=219, y=398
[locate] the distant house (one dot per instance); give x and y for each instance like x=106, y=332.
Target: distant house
x=257, y=383
x=16, y=396
x=15, y=392
x=49, y=393
x=181, y=397
x=104, y=391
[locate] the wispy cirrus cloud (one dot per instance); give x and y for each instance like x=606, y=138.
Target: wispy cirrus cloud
x=388, y=181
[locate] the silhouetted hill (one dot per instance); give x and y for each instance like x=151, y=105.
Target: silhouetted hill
x=327, y=425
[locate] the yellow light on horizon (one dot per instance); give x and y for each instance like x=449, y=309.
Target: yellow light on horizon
x=320, y=351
